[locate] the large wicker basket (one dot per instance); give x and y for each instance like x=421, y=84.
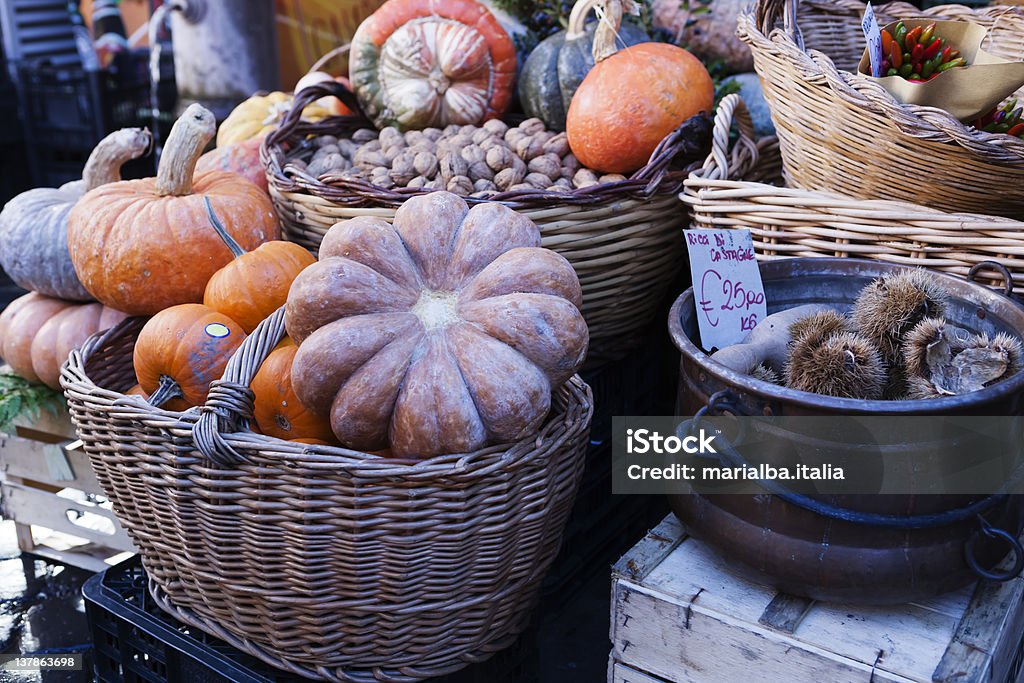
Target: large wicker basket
x=840, y=131
x=622, y=238
x=731, y=190
x=329, y=563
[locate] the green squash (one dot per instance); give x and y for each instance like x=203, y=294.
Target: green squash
x=558, y=65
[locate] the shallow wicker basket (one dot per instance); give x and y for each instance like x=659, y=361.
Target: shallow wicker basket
x=622, y=238
x=730, y=191
x=840, y=131
x=332, y=564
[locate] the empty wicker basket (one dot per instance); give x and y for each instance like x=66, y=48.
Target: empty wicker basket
x=328, y=563
x=841, y=131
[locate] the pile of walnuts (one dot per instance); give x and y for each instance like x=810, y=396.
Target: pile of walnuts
x=475, y=161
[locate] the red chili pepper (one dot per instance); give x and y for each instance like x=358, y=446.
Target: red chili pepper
x=933, y=49
x=947, y=54
x=1017, y=130
x=912, y=35
x=917, y=54
x=895, y=55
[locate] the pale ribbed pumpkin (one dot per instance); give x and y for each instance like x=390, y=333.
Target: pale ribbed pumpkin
x=417, y=64
x=34, y=225
x=260, y=114
x=141, y=246
x=439, y=334
x=19, y=324
x=65, y=331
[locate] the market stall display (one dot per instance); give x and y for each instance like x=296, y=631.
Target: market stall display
x=840, y=131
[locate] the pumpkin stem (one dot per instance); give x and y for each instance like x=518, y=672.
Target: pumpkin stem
x=577, y=24
x=188, y=137
x=609, y=14
x=235, y=247
x=167, y=390
x=112, y=152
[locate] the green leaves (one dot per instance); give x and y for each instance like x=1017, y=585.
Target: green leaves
x=21, y=398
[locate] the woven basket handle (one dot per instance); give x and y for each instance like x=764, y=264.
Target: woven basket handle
x=229, y=405
x=766, y=14
x=689, y=140
x=724, y=162
x=308, y=95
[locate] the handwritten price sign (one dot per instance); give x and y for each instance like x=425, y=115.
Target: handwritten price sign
x=727, y=285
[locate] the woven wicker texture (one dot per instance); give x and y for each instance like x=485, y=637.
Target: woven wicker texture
x=786, y=222
x=840, y=131
x=329, y=563
x=622, y=238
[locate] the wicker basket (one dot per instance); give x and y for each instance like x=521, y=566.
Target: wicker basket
x=622, y=238
x=840, y=131
x=332, y=564
x=788, y=222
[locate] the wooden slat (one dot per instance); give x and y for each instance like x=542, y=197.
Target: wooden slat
x=651, y=550
x=30, y=460
x=785, y=612
x=27, y=505
x=621, y=673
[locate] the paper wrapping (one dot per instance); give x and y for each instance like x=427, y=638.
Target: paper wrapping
x=965, y=92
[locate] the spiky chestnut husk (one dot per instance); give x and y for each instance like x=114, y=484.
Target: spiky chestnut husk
x=888, y=308
x=818, y=326
x=915, y=346
x=844, y=365
x=918, y=388
x=766, y=374
x=1014, y=351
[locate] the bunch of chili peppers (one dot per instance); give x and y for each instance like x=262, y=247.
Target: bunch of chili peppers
x=1008, y=118
x=917, y=54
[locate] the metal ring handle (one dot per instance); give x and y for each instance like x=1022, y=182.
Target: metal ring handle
x=1000, y=268
x=994, y=533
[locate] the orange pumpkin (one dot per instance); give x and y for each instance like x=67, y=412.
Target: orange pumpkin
x=20, y=322
x=141, y=246
x=242, y=158
x=277, y=409
x=631, y=100
x=255, y=283
x=68, y=330
x=181, y=350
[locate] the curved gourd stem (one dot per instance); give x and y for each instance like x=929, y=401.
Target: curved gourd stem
x=577, y=24
x=607, y=30
x=112, y=152
x=167, y=390
x=188, y=137
x=235, y=247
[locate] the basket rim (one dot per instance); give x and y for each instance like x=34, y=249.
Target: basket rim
x=926, y=123
x=559, y=425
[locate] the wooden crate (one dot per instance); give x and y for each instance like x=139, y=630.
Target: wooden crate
x=46, y=486
x=680, y=614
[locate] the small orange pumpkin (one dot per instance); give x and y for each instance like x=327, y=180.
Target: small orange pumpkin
x=277, y=409
x=68, y=330
x=181, y=350
x=632, y=99
x=255, y=283
x=141, y=246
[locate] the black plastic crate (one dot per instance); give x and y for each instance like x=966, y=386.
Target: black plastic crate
x=135, y=641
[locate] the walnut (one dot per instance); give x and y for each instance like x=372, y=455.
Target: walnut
x=325, y=141
x=432, y=134
x=391, y=136
x=611, y=178
x=452, y=164
x=492, y=142
x=558, y=145
x=538, y=180
x=451, y=130
x=513, y=137
x=549, y=165
x=480, y=135
x=418, y=182
x=560, y=189
x=364, y=135
x=499, y=158
x=369, y=158
x=422, y=146
x=482, y=194
x=532, y=126
x=508, y=177
x=519, y=165
x=425, y=164
x=584, y=178
x=570, y=164
x=403, y=170
x=392, y=153
x=496, y=126
x=460, y=185
x=434, y=184
x=480, y=171
x=468, y=129
x=530, y=147
x=383, y=181
x=348, y=147
x=563, y=182
x=521, y=186
x=484, y=185
x=473, y=154
x=414, y=136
